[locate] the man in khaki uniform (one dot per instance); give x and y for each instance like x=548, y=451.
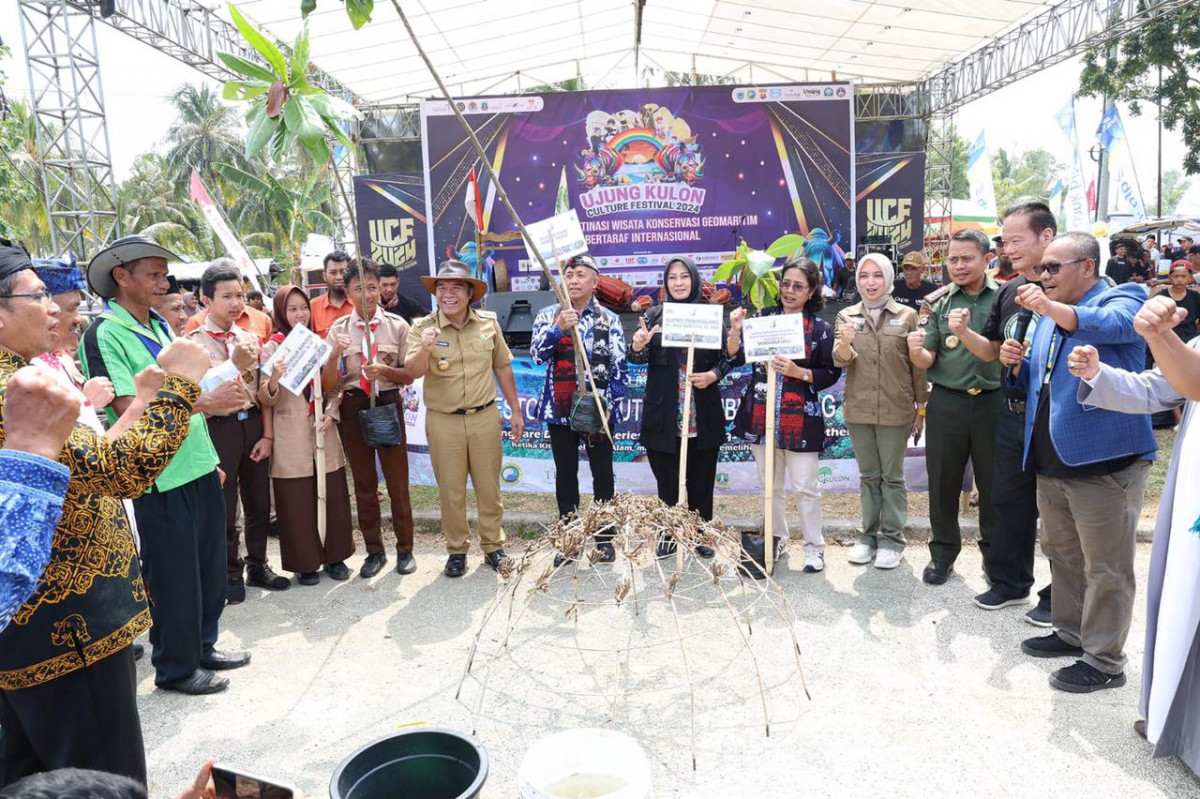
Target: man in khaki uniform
x=461, y=353
x=352, y=372
x=243, y=435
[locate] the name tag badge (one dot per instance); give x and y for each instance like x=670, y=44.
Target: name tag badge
x=896, y=322
x=441, y=344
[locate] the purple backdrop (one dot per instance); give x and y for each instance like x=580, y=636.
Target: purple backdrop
x=891, y=198
x=651, y=172
x=390, y=210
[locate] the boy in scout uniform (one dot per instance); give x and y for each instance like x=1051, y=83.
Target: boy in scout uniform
x=461, y=353
x=243, y=436
x=352, y=371
x=964, y=404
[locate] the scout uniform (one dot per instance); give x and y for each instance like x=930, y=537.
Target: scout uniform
x=234, y=435
x=252, y=320
x=389, y=333
x=462, y=422
x=962, y=413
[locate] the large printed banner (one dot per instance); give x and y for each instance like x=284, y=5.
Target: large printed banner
x=651, y=172
x=529, y=465
x=891, y=198
x=391, y=226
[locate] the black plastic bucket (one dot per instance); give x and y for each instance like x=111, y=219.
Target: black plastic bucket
x=415, y=764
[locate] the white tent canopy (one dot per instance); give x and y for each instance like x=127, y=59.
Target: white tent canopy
x=491, y=47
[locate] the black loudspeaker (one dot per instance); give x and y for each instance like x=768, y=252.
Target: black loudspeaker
x=390, y=155
x=515, y=311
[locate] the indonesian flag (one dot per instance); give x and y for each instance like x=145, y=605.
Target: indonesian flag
x=1091, y=196
x=473, y=201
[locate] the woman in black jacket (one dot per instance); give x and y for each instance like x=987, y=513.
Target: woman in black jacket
x=800, y=426
x=662, y=425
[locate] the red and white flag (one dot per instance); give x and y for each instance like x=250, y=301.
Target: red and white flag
x=216, y=221
x=474, y=201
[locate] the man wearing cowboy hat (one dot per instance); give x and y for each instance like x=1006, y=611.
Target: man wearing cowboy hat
x=352, y=372
x=181, y=520
x=461, y=353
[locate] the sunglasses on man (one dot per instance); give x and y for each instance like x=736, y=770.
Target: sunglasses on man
x=1054, y=267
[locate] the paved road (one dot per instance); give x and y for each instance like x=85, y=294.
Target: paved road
x=914, y=691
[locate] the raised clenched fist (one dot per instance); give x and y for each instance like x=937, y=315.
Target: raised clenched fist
x=185, y=358
x=39, y=413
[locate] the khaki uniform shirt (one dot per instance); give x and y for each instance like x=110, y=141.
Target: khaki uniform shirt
x=218, y=353
x=471, y=355
x=882, y=385
x=388, y=339
x=296, y=436
x=955, y=367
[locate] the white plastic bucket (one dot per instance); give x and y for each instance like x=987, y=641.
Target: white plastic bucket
x=585, y=764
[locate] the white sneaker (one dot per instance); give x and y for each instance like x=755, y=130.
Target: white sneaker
x=814, y=561
x=862, y=554
x=888, y=558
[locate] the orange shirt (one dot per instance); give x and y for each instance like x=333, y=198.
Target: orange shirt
x=252, y=320
x=325, y=313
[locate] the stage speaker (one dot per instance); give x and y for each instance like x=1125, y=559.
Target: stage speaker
x=392, y=155
x=515, y=311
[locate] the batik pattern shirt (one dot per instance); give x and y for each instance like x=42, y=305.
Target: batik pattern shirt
x=31, y=501
x=546, y=337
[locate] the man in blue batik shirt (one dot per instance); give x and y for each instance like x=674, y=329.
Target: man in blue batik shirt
x=554, y=343
x=40, y=414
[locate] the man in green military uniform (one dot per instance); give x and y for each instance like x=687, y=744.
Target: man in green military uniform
x=462, y=355
x=964, y=404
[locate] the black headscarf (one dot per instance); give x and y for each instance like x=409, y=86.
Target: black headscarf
x=13, y=259
x=695, y=273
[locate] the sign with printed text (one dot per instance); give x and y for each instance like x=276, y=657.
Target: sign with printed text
x=305, y=353
x=692, y=325
x=565, y=233
x=779, y=334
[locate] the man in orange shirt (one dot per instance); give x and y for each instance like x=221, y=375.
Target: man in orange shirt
x=333, y=304
x=251, y=320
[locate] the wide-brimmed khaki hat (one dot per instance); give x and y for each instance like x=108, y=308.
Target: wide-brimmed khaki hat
x=455, y=270
x=121, y=252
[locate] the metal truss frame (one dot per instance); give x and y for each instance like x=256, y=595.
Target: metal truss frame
x=67, y=102
x=939, y=187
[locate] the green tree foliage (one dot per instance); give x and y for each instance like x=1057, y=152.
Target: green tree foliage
x=957, y=150
x=22, y=212
x=1174, y=186
x=1128, y=71
x=205, y=132
x=1023, y=176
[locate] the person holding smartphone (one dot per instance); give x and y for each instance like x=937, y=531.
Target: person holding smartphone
x=884, y=404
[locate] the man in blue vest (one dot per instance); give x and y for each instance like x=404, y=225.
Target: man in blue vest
x=1091, y=463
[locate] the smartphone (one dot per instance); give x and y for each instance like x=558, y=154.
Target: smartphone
x=232, y=783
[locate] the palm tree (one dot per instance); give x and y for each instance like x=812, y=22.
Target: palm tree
x=23, y=214
x=205, y=132
x=297, y=203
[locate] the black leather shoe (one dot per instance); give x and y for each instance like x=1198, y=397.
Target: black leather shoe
x=495, y=558
x=371, y=566
x=937, y=573
x=608, y=552
x=309, y=578
x=224, y=661
x=456, y=565
x=705, y=551
x=406, y=563
x=264, y=577
x=338, y=571
x=200, y=681
x=139, y=652
x=666, y=547
x=235, y=591
x=560, y=559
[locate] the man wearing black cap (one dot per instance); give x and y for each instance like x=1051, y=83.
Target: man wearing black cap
x=554, y=344
x=171, y=306
x=181, y=520
x=68, y=689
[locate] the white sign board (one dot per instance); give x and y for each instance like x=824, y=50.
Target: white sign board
x=778, y=334
x=692, y=325
x=567, y=234
x=305, y=353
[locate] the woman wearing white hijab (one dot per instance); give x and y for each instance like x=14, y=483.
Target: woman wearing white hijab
x=884, y=404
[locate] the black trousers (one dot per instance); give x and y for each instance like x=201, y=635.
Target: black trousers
x=233, y=440
x=701, y=476
x=564, y=443
x=85, y=719
x=1014, y=496
x=183, y=564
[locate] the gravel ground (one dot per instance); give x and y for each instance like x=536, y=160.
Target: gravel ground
x=914, y=691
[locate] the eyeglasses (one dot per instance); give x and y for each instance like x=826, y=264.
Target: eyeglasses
x=41, y=296
x=792, y=285
x=1053, y=267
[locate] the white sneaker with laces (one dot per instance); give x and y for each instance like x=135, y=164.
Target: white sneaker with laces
x=861, y=554
x=888, y=558
x=814, y=561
